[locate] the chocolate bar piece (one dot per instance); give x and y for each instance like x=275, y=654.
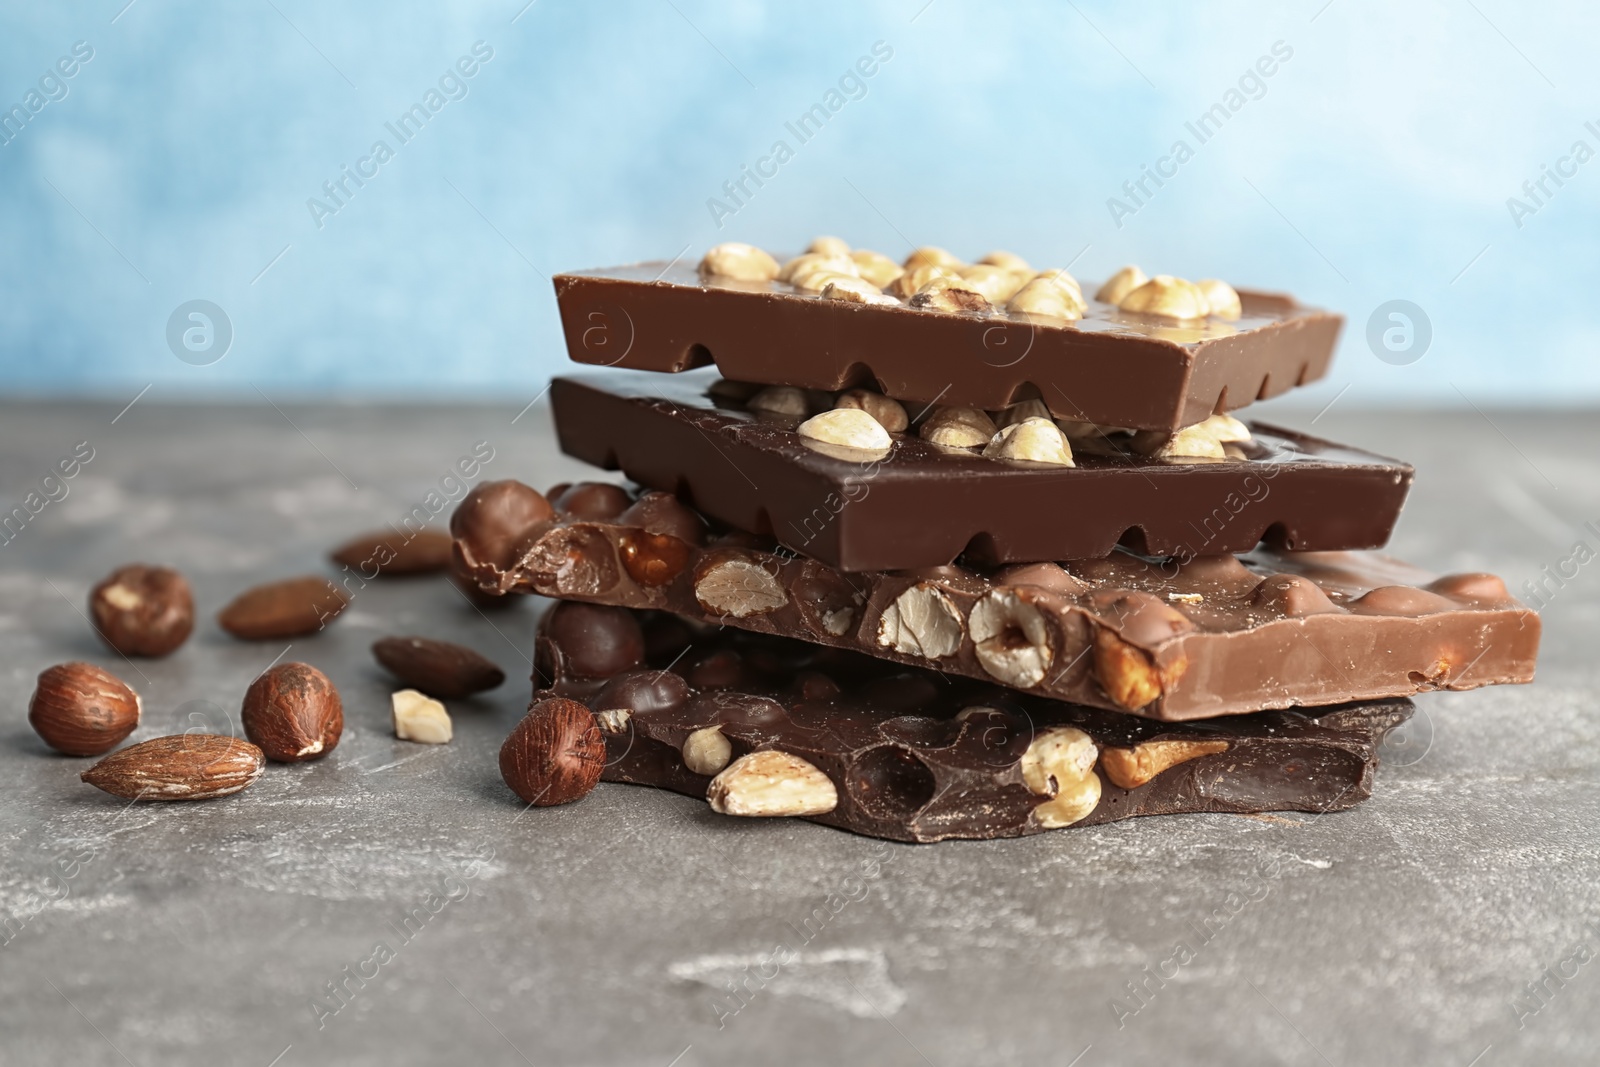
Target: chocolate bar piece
x=1111, y=368
x=1166, y=639
x=923, y=505
x=904, y=754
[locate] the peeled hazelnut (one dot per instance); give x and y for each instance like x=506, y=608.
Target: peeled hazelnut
x=810, y=261
x=876, y=267
x=738, y=586
x=1203, y=440
x=707, y=751
x=955, y=427
x=1120, y=285
x=1059, y=764
x=735, y=259
x=420, y=718
x=781, y=400
x=1035, y=440
x=1126, y=673
x=492, y=520
x=81, y=710
x=1227, y=429
x=1061, y=278
x=1048, y=300
x=1011, y=638
x=1007, y=261
x=922, y=621
x=595, y=641
x=853, y=291
x=1130, y=768
x=1032, y=408
x=947, y=294
x=1221, y=298
x=907, y=283
x=769, y=783
x=817, y=280
x=293, y=713
x=828, y=246
x=886, y=411
x=930, y=256
x=555, y=754
x=1166, y=297
x=995, y=283
x=143, y=611
x=849, y=427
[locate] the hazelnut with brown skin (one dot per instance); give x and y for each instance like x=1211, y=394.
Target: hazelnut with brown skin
x=293, y=713
x=81, y=710
x=143, y=611
x=555, y=754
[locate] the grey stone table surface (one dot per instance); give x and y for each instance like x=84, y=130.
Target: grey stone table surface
x=393, y=903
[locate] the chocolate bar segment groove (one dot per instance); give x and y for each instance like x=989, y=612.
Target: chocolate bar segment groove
x=914, y=757
x=1217, y=635
x=1112, y=368
x=923, y=506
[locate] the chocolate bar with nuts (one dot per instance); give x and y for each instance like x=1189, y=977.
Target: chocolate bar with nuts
x=1165, y=639
x=917, y=503
x=1111, y=367
x=762, y=725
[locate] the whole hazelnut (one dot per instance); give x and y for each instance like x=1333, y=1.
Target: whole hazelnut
x=555, y=754
x=293, y=713
x=143, y=611
x=594, y=641
x=81, y=710
x=492, y=520
x=643, y=692
x=664, y=514
x=598, y=501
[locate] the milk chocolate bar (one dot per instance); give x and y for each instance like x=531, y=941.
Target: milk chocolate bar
x=904, y=754
x=1166, y=639
x=1111, y=368
x=923, y=505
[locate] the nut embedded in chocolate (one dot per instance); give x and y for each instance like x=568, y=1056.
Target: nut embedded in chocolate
x=662, y=513
x=592, y=500
x=81, y=710
x=439, y=668
x=290, y=608
x=293, y=712
x=555, y=754
x=141, y=610
x=493, y=520
x=596, y=641
x=389, y=552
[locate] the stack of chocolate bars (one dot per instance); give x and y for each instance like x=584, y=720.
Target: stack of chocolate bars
x=938, y=549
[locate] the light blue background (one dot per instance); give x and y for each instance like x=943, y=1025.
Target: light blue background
x=1377, y=165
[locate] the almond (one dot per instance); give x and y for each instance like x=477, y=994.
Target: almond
x=438, y=668
x=290, y=608
x=181, y=767
x=389, y=552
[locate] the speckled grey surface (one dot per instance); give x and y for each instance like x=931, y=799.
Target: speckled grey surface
x=1406, y=931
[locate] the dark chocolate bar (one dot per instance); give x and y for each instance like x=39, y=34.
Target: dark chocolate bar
x=904, y=754
x=1166, y=639
x=1111, y=368
x=922, y=505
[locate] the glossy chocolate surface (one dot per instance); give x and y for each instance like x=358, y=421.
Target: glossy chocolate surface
x=1112, y=368
x=920, y=505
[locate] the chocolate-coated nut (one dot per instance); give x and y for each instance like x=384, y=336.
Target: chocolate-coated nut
x=593, y=500
x=595, y=641
x=391, y=552
x=663, y=513
x=289, y=608
x=643, y=692
x=293, y=712
x=143, y=611
x=555, y=754
x=438, y=668
x=493, y=520
x=81, y=710
x=182, y=767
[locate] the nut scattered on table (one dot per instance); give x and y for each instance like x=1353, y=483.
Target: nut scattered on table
x=922, y=621
x=1011, y=638
x=1130, y=768
x=1059, y=764
x=771, y=783
x=1035, y=440
x=707, y=751
x=555, y=754
x=888, y=412
x=81, y=710
x=181, y=767
x=1120, y=285
x=956, y=427
x=735, y=259
x=141, y=610
x=290, y=608
x=439, y=668
x=387, y=553
x=420, y=718
x=293, y=712
x=848, y=427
